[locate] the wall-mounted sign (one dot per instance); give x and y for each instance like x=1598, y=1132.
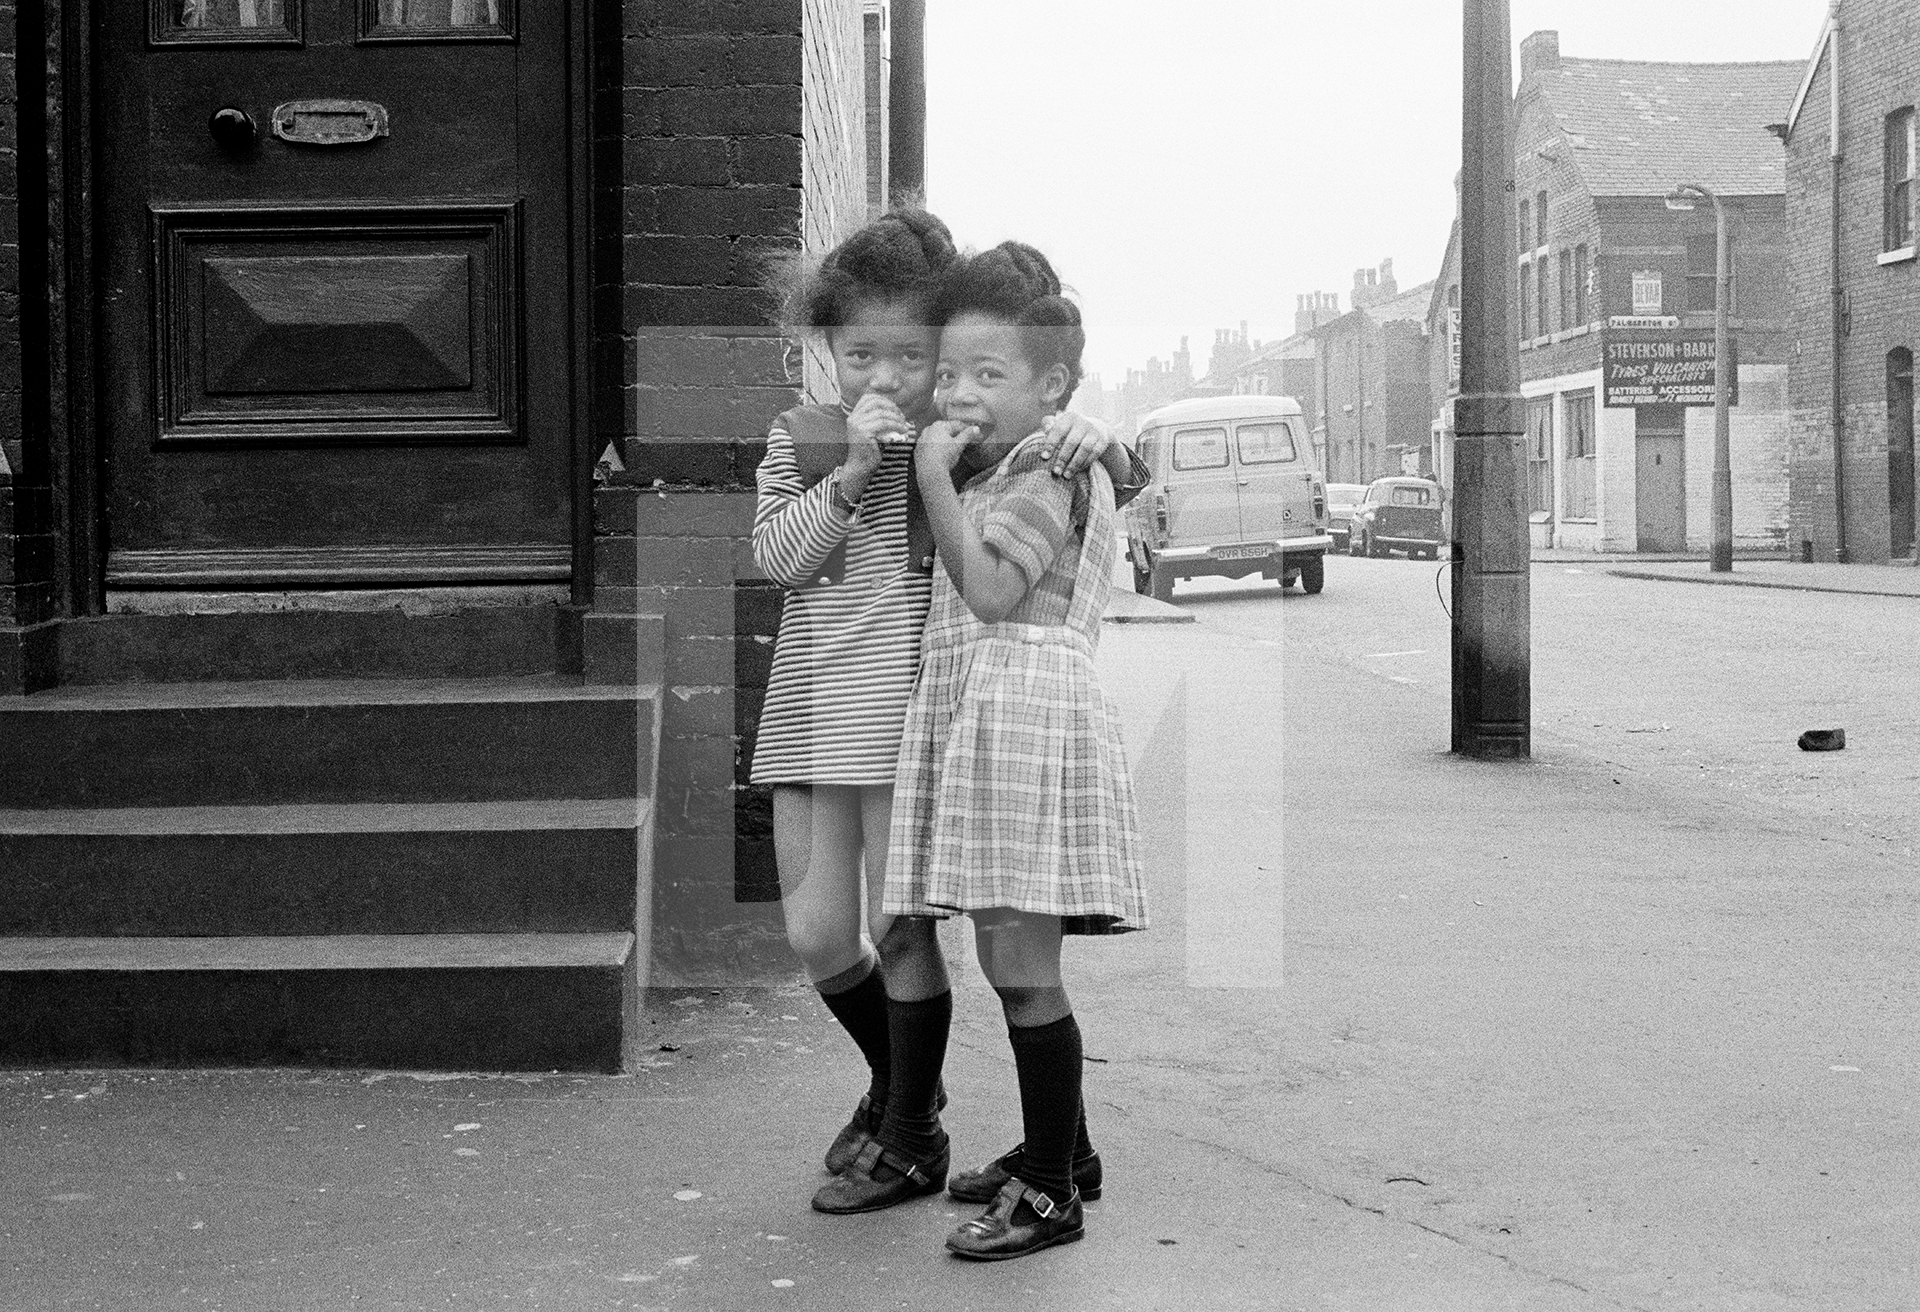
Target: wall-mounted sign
x=1662, y=367
x=1644, y=321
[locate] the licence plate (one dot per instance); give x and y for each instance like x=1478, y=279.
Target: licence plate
x=1242, y=553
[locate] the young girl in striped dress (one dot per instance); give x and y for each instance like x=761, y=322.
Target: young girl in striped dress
x=839, y=523
x=1013, y=802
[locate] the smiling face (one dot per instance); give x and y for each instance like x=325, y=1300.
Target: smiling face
x=986, y=379
x=886, y=347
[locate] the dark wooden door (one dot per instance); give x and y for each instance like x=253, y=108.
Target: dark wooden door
x=335, y=342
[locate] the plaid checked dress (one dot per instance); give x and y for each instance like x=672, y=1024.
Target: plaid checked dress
x=1013, y=788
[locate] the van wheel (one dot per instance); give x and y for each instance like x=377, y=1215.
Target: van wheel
x=1313, y=574
x=1142, y=579
x=1356, y=544
x=1378, y=552
x=1160, y=583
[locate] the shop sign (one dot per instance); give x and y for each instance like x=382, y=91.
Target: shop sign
x=1658, y=367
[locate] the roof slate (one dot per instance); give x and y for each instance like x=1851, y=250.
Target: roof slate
x=1639, y=129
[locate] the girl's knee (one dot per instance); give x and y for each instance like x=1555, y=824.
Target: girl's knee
x=1027, y=1007
x=909, y=938
x=824, y=948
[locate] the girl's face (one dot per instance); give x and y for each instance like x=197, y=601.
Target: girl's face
x=985, y=379
x=887, y=348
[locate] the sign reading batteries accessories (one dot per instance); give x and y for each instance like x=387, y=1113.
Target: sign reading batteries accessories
x=1652, y=366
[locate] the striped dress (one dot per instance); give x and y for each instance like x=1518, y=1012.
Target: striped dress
x=1013, y=788
x=844, y=663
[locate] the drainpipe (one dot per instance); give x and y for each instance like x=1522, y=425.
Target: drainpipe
x=1837, y=350
x=907, y=99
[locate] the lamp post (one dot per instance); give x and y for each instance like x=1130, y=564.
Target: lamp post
x=1492, y=642
x=1721, y=559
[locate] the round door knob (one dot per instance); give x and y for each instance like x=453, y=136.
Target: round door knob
x=232, y=128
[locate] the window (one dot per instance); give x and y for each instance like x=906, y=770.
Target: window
x=1540, y=219
x=1410, y=494
x=1265, y=444
x=1541, y=309
x=1540, y=454
x=227, y=22
x=1701, y=272
x=1200, y=448
x=1899, y=194
x=1581, y=286
x=1526, y=301
x=1647, y=292
x=426, y=20
x=1567, y=319
x=1577, y=410
x=1526, y=225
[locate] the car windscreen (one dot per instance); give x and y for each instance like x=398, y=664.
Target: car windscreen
x=1265, y=444
x=1412, y=496
x=1200, y=448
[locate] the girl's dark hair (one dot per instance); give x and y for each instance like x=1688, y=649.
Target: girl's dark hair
x=1014, y=282
x=903, y=253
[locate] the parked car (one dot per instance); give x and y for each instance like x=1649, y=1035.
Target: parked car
x=1342, y=499
x=1397, y=514
x=1233, y=492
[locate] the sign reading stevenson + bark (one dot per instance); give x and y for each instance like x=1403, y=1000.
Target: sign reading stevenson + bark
x=1663, y=367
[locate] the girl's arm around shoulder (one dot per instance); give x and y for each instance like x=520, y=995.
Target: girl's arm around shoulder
x=1030, y=522
x=1076, y=441
x=795, y=527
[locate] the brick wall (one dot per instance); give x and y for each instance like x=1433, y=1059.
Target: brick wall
x=740, y=135
x=1879, y=75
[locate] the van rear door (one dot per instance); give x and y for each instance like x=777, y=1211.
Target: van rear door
x=1276, y=485
x=1203, y=504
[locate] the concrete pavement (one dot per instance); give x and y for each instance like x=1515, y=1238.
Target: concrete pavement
x=1861, y=580
x=1409, y=1033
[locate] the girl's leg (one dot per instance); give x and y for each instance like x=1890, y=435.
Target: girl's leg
x=1020, y=955
x=908, y=1154
x=817, y=846
x=919, y=1007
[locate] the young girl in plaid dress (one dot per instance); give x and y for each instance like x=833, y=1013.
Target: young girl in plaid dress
x=1013, y=802
x=838, y=522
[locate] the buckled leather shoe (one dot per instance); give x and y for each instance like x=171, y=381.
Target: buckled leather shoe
x=1020, y=1220
x=982, y=1183
x=878, y=1178
x=864, y=1124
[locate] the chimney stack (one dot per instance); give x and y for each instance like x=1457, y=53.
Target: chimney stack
x=1538, y=53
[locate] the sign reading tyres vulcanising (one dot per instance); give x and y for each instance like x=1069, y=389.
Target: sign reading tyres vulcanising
x=1663, y=367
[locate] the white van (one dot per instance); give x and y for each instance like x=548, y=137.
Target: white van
x=1233, y=492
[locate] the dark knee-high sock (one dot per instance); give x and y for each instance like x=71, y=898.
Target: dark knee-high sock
x=918, y=1034
x=861, y=1009
x=1047, y=1059
x=1082, y=1146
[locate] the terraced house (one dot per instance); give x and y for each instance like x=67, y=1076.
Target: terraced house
x=1855, y=284
x=379, y=391
x=1621, y=461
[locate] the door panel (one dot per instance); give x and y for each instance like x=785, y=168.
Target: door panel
x=1660, y=492
x=1275, y=488
x=336, y=363
x=1203, y=504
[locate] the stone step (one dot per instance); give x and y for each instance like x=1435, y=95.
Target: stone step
x=404, y=1001
x=326, y=741
x=413, y=637
x=545, y=866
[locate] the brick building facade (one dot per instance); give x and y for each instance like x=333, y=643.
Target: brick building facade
x=1371, y=404
x=704, y=138
x=1599, y=144
x=1860, y=507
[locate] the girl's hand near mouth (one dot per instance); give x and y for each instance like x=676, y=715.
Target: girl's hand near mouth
x=875, y=423
x=943, y=443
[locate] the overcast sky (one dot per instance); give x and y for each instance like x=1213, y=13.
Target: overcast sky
x=1188, y=164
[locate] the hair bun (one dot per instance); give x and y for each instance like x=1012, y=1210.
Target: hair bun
x=903, y=253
